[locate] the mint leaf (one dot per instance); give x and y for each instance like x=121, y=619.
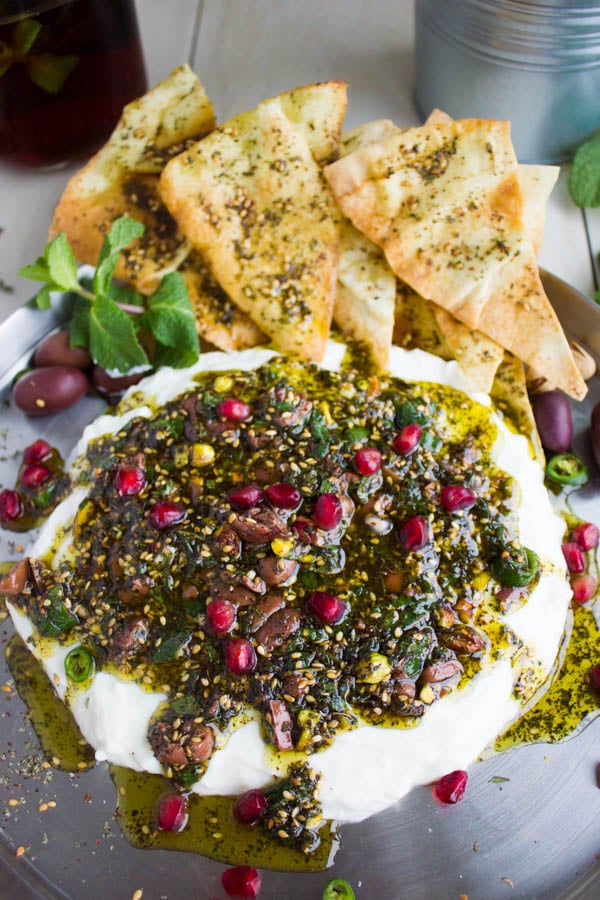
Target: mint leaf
x=124, y=293
x=42, y=298
x=61, y=263
x=37, y=271
x=113, y=341
x=24, y=35
x=174, y=357
x=584, y=178
x=50, y=72
x=80, y=323
x=6, y=58
x=170, y=318
x=122, y=232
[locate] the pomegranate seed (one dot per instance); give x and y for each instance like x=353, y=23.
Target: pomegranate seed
x=246, y=497
x=220, y=614
x=328, y=609
x=250, y=807
x=408, y=439
x=241, y=881
x=414, y=533
x=367, y=460
x=240, y=656
x=586, y=535
x=451, y=788
x=234, y=410
x=574, y=557
x=328, y=511
x=34, y=475
x=11, y=506
x=584, y=588
x=284, y=495
x=171, y=812
x=129, y=480
x=595, y=678
x=456, y=496
x=165, y=514
x=37, y=451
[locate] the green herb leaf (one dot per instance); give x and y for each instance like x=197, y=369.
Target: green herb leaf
x=37, y=271
x=50, y=72
x=170, y=317
x=113, y=341
x=124, y=293
x=42, y=298
x=6, y=58
x=61, y=263
x=80, y=323
x=122, y=232
x=584, y=178
x=24, y=35
x=497, y=779
x=170, y=646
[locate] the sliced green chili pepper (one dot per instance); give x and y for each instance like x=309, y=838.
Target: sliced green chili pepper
x=566, y=468
x=515, y=567
x=79, y=664
x=338, y=889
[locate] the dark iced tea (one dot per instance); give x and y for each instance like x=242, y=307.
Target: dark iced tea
x=65, y=74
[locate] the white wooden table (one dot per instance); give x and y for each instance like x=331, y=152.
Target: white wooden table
x=247, y=50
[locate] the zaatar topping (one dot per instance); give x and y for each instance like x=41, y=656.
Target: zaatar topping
x=232, y=554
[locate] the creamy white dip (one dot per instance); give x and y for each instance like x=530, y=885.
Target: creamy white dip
x=371, y=767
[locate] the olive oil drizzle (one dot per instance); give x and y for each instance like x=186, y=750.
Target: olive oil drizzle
x=570, y=703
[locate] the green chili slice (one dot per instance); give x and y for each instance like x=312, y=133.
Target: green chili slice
x=79, y=664
x=567, y=468
x=515, y=567
x=338, y=889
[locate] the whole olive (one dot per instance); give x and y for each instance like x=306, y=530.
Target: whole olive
x=554, y=421
x=49, y=389
x=596, y=432
x=111, y=386
x=54, y=350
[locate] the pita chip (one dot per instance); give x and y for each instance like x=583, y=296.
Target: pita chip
x=445, y=204
x=252, y=200
x=122, y=178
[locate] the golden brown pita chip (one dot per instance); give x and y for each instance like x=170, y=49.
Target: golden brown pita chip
x=364, y=306
x=509, y=392
x=251, y=198
x=218, y=319
x=444, y=202
x=477, y=355
x=122, y=178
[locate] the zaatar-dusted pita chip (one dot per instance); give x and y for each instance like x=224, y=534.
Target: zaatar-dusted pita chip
x=251, y=198
x=445, y=204
x=122, y=178
x=366, y=295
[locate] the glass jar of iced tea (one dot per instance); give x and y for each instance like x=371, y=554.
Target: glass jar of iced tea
x=67, y=68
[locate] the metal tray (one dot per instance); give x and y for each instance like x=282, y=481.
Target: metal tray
x=534, y=835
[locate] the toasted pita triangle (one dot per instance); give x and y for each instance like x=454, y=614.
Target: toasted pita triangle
x=251, y=198
x=510, y=395
x=445, y=204
x=122, y=178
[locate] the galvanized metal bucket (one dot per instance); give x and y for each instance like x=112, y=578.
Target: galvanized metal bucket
x=535, y=62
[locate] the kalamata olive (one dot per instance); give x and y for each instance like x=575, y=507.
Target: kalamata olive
x=54, y=350
x=113, y=386
x=50, y=389
x=596, y=432
x=554, y=421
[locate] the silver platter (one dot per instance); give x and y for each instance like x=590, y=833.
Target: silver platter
x=534, y=835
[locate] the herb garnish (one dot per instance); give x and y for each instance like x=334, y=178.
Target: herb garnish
x=108, y=316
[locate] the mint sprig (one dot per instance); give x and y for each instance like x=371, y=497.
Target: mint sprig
x=108, y=316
